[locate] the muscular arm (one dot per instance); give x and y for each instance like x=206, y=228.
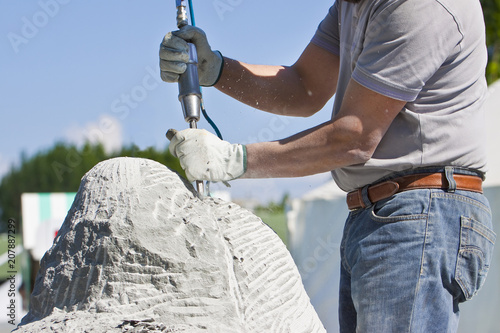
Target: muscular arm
x=298, y=90
x=350, y=138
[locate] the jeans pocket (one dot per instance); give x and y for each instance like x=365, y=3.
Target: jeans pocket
x=403, y=206
x=474, y=256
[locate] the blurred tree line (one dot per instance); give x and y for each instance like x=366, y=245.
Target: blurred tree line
x=491, y=10
x=273, y=207
x=60, y=169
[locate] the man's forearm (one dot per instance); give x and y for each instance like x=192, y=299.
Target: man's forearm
x=275, y=89
x=298, y=90
x=320, y=149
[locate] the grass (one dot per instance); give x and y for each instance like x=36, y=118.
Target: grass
x=276, y=220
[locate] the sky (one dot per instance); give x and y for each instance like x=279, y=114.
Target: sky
x=72, y=71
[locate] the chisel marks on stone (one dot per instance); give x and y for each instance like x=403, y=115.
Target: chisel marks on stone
x=139, y=251
x=265, y=273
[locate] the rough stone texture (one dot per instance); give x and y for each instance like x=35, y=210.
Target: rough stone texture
x=139, y=252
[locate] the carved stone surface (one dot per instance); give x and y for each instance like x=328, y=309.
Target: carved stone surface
x=138, y=252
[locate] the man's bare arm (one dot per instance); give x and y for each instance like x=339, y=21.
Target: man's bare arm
x=298, y=90
x=350, y=138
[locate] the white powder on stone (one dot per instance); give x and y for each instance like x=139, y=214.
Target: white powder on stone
x=139, y=252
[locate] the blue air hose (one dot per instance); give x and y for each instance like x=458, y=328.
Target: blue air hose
x=203, y=110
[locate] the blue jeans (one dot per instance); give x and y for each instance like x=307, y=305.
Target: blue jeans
x=409, y=260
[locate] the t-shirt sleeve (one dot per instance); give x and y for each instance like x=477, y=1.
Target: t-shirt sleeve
x=405, y=44
x=327, y=34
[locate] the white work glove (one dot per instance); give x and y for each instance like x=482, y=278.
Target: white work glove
x=174, y=56
x=206, y=157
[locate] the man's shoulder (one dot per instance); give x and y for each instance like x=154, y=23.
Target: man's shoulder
x=425, y=12
x=377, y=6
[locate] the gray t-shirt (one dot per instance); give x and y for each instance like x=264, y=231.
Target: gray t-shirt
x=430, y=53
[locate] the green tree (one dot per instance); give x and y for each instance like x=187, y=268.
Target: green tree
x=491, y=10
x=60, y=169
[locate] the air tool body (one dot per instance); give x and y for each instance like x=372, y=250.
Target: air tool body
x=189, y=89
x=189, y=86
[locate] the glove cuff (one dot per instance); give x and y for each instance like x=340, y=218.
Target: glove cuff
x=244, y=159
x=238, y=162
x=215, y=72
x=218, y=78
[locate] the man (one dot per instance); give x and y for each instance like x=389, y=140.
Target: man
x=406, y=141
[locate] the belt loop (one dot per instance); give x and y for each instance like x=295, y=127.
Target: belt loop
x=452, y=184
x=364, y=197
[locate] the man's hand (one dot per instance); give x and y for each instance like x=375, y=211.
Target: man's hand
x=174, y=55
x=206, y=157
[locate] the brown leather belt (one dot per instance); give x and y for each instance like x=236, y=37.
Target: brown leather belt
x=412, y=182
